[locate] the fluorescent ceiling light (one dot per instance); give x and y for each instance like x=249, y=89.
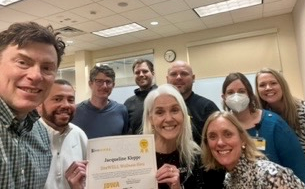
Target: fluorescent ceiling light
x=120, y=30
x=225, y=6
x=7, y=2
x=154, y=23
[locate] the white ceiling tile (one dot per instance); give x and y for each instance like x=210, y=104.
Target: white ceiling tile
x=191, y=26
x=270, y=1
x=160, y=20
x=66, y=18
x=182, y=16
x=45, y=22
x=143, y=13
x=125, y=39
x=4, y=25
x=88, y=46
x=89, y=37
x=165, y=30
x=171, y=33
x=115, y=20
x=113, y=5
x=89, y=26
x=151, y=2
x=199, y=3
x=68, y=4
x=108, y=43
x=277, y=12
x=247, y=18
x=169, y=7
x=10, y=15
x=217, y=20
x=93, y=11
x=254, y=12
x=41, y=8
x=145, y=34
x=278, y=5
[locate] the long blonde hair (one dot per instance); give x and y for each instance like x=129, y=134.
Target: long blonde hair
x=187, y=148
x=290, y=113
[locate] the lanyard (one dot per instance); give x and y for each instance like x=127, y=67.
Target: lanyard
x=257, y=127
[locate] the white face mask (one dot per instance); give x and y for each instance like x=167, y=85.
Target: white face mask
x=237, y=102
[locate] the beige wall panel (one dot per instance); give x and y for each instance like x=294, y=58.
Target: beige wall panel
x=245, y=55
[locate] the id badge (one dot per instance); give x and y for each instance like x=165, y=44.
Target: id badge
x=260, y=143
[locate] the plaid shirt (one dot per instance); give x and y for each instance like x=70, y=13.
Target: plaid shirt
x=25, y=154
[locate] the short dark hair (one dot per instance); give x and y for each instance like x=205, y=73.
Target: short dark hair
x=62, y=82
x=254, y=104
x=140, y=61
x=22, y=34
x=108, y=71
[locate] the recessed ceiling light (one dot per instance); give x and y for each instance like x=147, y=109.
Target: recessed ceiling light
x=133, y=27
x=7, y=2
x=154, y=23
x=225, y=6
x=122, y=4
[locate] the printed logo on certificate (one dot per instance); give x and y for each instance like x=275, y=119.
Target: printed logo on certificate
x=122, y=162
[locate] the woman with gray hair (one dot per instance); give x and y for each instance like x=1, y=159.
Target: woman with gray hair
x=226, y=144
x=178, y=156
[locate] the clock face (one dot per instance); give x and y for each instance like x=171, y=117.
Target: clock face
x=170, y=55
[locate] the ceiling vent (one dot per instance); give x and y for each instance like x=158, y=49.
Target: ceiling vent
x=69, y=31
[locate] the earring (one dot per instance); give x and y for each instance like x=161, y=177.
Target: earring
x=243, y=147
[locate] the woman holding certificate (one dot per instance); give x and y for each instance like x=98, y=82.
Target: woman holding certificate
x=178, y=156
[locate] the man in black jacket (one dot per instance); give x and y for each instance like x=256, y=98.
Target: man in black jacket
x=180, y=74
x=143, y=70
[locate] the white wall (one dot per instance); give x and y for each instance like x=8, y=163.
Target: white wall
x=299, y=23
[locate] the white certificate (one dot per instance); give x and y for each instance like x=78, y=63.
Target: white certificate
x=122, y=162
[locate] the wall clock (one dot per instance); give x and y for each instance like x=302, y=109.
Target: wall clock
x=170, y=55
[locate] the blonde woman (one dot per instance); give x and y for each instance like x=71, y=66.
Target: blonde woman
x=178, y=156
x=274, y=94
x=227, y=145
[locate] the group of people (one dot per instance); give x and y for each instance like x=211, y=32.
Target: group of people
x=258, y=142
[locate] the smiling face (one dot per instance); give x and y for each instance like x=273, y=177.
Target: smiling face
x=59, y=107
x=224, y=142
x=143, y=76
x=27, y=75
x=166, y=118
x=101, y=86
x=180, y=75
x=269, y=88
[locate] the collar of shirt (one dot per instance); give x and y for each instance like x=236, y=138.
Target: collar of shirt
x=10, y=121
x=53, y=131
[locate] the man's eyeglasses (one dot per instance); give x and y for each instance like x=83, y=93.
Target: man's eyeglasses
x=101, y=82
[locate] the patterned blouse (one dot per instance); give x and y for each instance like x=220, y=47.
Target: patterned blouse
x=261, y=174
x=301, y=135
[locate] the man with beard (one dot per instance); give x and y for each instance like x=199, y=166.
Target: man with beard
x=143, y=71
x=180, y=74
x=68, y=142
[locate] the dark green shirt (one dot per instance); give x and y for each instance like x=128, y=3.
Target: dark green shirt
x=25, y=154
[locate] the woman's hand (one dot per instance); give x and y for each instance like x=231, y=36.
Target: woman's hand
x=170, y=175
x=76, y=174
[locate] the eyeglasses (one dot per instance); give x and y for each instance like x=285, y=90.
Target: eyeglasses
x=101, y=82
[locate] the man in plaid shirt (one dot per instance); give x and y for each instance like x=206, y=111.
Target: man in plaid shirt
x=29, y=57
